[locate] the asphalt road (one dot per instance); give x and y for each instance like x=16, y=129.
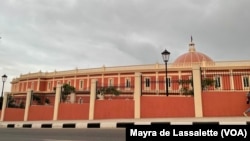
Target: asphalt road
x=90, y=134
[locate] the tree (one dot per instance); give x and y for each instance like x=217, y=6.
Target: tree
x=108, y=90
x=11, y=101
x=47, y=101
x=186, y=89
x=66, y=90
x=37, y=98
x=206, y=82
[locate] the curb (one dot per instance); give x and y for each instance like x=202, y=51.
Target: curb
x=110, y=124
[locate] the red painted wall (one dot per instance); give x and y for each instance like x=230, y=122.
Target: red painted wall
x=214, y=104
x=41, y=112
x=162, y=106
x=43, y=85
x=118, y=108
x=85, y=99
x=223, y=103
x=73, y=111
x=14, y=114
x=238, y=82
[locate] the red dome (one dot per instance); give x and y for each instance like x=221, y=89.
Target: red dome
x=192, y=57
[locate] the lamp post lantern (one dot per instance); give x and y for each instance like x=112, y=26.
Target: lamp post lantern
x=165, y=56
x=4, y=78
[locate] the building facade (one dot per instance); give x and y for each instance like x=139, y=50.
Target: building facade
x=228, y=75
x=191, y=76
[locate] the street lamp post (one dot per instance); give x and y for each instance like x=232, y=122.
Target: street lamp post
x=4, y=78
x=165, y=56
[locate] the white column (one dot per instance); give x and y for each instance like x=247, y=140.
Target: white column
x=88, y=82
x=38, y=84
x=57, y=101
x=73, y=98
x=53, y=83
x=157, y=83
x=4, y=105
x=27, y=104
x=137, y=96
x=75, y=80
x=197, y=91
x=119, y=81
x=102, y=80
x=231, y=79
x=92, y=99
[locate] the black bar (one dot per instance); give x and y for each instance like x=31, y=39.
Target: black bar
x=124, y=124
x=10, y=125
x=27, y=125
x=46, y=126
x=93, y=125
x=69, y=125
x=211, y=131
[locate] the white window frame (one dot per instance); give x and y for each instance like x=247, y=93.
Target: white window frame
x=49, y=86
x=147, y=84
x=127, y=83
x=245, y=81
x=111, y=82
x=81, y=84
x=217, y=80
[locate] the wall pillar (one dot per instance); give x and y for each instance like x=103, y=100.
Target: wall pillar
x=73, y=98
x=38, y=84
x=137, y=95
x=231, y=79
x=157, y=84
x=57, y=101
x=197, y=91
x=4, y=105
x=92, y=99
x=27, y=104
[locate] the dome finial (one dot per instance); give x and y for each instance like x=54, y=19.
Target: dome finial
x=191, y=45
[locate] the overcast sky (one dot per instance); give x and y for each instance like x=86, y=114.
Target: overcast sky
x=50, y=35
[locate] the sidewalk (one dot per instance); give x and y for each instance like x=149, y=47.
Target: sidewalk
x=121, y=123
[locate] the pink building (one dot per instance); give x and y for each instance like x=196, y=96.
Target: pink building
x=198, y=86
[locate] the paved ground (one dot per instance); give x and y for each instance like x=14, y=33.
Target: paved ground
x=119, y=123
